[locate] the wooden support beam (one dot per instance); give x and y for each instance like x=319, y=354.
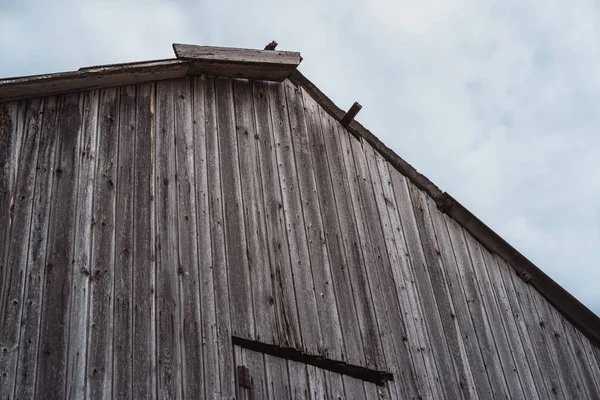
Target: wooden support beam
x=340, y=367
x=271, y=65
x=351, y=114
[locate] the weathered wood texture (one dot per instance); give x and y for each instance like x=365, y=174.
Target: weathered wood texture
x=141, y=227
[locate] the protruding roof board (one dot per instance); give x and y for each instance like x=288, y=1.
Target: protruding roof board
x=273, y=65
x=267, y=65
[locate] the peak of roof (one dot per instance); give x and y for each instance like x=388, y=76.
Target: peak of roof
x=271, y=65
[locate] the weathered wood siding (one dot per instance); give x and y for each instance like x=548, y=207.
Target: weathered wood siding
x=142, y=226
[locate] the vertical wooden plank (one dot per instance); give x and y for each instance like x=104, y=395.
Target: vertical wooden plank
x=524, y=332
x=242, y=392
x=9, y=161
x=335, y=385
x=354, y=388
x=476, y=309
x=316, y=383
x=167, y=258
x=584, y=350
x=423, y=268
x=294, y=220
x=541, y=352
x=210, y=349
x=255, y=362
x=278, y=382
x=403, y=376
x=567, y=339
x=250, y=176
x=559, y=350
x=30, y=319
x=523, y=369
x=124, y=242
x=468, y=340
x=416, y=335
x=439, y=288
x=76, y=376
x=242, y=323
x=493, y=318
x=351, y=247
x=222, y=299
x=54, y=327
x=302, y=125
x=100, y=328
x=390, y=314
x=190, y=317
x=298, y=381
x=14, y=280
x=144, y=306
x=286, y=308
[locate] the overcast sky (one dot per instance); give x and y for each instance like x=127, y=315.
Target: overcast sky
x=497, y=102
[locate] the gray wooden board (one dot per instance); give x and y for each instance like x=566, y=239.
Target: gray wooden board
x=329, y=319
x=298, y=380
x=255, y=362
x=217, y=234
x=166, y=241
x=42, y=202
x=278, y=384
x=426, y=270
x=417, y=341
x=355, y=262
x=584, y=350
x=286, y=308
x=54, y=325
x=523, y=369
x=256, y=236
x=210, y=349
x=189, y=281
x=91, y=78
x=402, y=375
x=316, y=383
x=354, y=388
x=294, y=220
x=122, y=328
x=242, y=321
x=144, y=339
x=15, y=273
x=565, y=363
x=524, y=334
x=76, y=374
x=391, y=315
x=567, y=339
x=467, y=340
x=422, y=206
x=334, y=384
x=100, y=319
x=9, y=161
x=494, y=320
x=231, y=54
x=353, y=350
x=473, y=297
x=539, y=349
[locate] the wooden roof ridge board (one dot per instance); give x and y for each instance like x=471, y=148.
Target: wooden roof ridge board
x=571, y=308
x=277, y=66
x=269, y=65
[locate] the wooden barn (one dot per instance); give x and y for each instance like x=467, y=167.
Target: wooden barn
x=213, y=226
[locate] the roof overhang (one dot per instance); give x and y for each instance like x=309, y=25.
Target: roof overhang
x=267, y=65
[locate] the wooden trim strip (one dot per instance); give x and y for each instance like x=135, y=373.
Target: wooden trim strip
x=366, y=374
x=90, y=78
x=573, y=310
